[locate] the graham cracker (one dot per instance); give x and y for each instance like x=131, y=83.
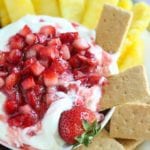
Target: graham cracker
x=112, y=28
x=128, y=86
x=131, y=121
x=129, y=144
x=103, y=142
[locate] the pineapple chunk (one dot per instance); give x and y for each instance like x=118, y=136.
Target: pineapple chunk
x=46, y=7
x=141, y=17
x=133, y=49
x=93, y=12
x=4, y=14
x=18, y=8
x=132, y=55
x=126, y=4
x=72, y=9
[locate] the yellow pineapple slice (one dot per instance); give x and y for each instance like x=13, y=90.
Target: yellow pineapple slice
x=72, y=9
x=46, y=7
x=141, y=17
x=133, y=50
x=4, y=14
x=18, y=8
x=132, y=55
x=93, y=11
x=126, y=4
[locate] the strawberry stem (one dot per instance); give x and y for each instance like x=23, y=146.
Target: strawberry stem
x=91, y=130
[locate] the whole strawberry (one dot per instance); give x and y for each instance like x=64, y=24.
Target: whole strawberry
x=78, y=125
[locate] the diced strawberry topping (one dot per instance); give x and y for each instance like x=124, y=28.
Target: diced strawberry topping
x=31, y=53
x=41, y=38
x=33, y=99
x=39, y=89
x=16, y=42
x=44, y=52
x=15, y=56
x=15, y=95
x=65, y=52
x=36, y=65
x=37, y=47
x=78, y=74
x=54, y=52
x=2, y=82
x=55, y=42
x=37, y=68
x=25, y=30
x=42, y=110
x=48, y=31
x=3, y=73
x=60, y=65
x=86, y=60
x=2, y=58
x=31, y=39
x=27, y=64
x=26, y=71
x=94, y=79
x=68, y=37
x=11, y=106
x=25, y=109
x=44, y=62
x=28, y=83
x=50, y=78
x=75, y=62
x=23, y=120
x=11, y=81
x=62, y=88
x=49, y=52
x=80, y=44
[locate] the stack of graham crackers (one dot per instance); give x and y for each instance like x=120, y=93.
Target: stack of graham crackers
x=128, y=91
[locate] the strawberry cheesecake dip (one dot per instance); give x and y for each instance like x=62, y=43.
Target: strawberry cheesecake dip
x=51, y=78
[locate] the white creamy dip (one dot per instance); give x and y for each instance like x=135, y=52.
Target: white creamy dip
x=47, y=137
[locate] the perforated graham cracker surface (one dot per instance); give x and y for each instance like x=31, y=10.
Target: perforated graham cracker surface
x=112, y=28
x=103, y=142
x=128, y=86
x=130, y=144
x=131, y=121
